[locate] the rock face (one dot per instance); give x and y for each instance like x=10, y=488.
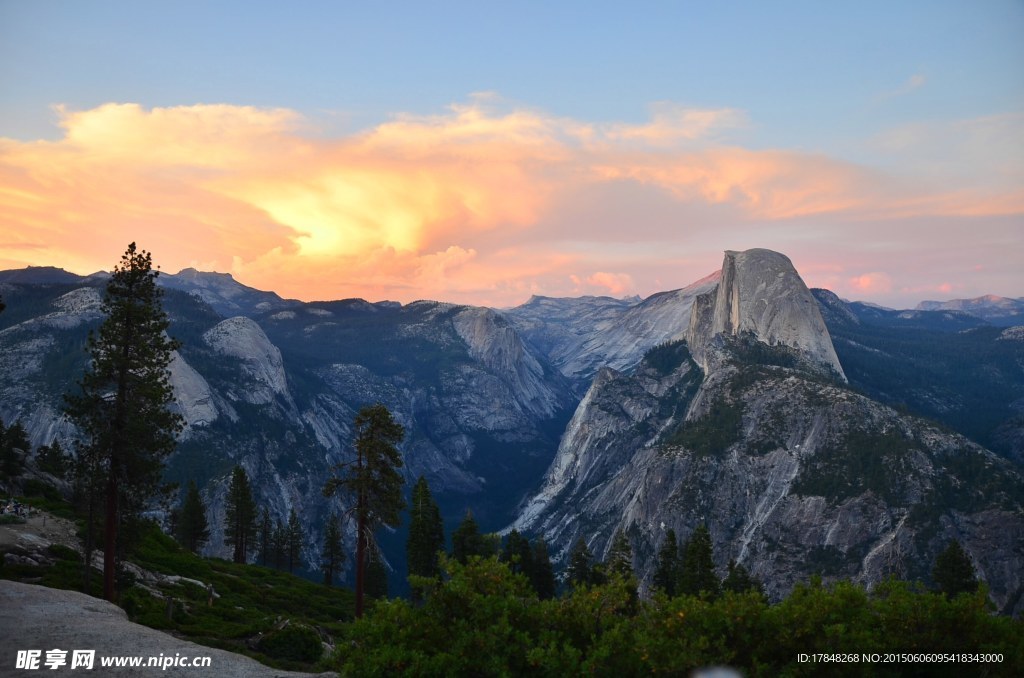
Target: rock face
x=580, y=336
x=242, y=339
x=756, y=434
x=761, y=295
x=36, y=617
x=276, y=392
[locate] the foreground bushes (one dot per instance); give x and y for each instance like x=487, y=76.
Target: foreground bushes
x=483, y=620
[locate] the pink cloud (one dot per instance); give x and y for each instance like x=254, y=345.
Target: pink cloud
x=482, y=203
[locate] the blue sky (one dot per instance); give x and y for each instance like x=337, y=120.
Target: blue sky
x=928, y=93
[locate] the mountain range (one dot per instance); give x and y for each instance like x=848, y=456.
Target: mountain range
x=811, y=434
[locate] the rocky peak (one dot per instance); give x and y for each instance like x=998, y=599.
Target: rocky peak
x=761, y=295
x=493, y=342
x=242, y=338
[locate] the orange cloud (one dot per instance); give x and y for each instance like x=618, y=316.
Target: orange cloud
x=464, y=205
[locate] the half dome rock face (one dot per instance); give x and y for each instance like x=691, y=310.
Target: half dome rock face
x=761, y=295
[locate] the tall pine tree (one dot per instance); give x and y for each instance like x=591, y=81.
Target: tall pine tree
x=468, y=541
x=666, y=573
x=294, y=541
x=426, y=532
x=372, y=482
x=954, y=572
x=121, y=409
x=240, y=516
x=620, y=556
x=698, y=571
x=333, y=554
x=541, y=573
x=581, y=567
x=192, y=530
x=265, y=537
x=517, y=553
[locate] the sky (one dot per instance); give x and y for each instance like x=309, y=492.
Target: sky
x=483, y=152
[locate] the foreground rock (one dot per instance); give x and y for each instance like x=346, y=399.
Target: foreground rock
x=39, y=618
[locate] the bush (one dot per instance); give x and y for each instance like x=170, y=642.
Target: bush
x=294, y=642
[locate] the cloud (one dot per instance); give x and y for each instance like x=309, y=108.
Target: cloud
x=671, y=124
x=485, y=202
x=871, y=283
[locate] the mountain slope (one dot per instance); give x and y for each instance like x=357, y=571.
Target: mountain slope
x=580, y=336
x=793, y=472
x=276, y=393
x=945, y=365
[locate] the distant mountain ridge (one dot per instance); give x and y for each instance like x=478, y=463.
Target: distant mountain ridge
x=991, y=308
x=572, y=417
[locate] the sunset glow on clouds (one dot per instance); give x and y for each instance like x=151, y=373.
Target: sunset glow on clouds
x=488, y=203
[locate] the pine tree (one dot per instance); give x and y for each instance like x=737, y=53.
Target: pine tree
x=426, y=532
x=467, y=540
x=293, y=541
x=240, y=516
x=738, y=580
x=581, y=569
x=52, y=459
x=953, y=572
x=14, y=447
x=372, y=481
x=122, y=406
x=192, y=529
x=279, y=538
x=698, y=571
x=517, y=553
x=265, y=537
x=620, y=556
x=541, y=573
x=333, y=554
x=666, y=573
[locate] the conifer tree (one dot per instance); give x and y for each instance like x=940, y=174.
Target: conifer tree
x=333, y=553
x=581, y=568
x=14, y=446
x=265, y=537
x=426, y=532
x=279, y=539
x=541, y=573
x=698, y=571
x=372, y=481
x=738, y=579
x=192, y=529
x=240, y=516
x=517, y=553
x=666, y=574
x=620, y=556
x=52, y=459
x=293, y=541
x=953, y=571
x=121, y=409
x=467, y=540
